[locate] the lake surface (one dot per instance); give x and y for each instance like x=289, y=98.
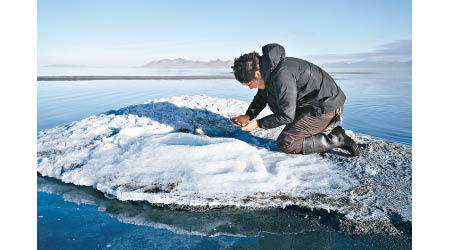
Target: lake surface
x=378, y=104
x=71, y=217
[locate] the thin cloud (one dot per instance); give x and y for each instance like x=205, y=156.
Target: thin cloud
x=398, y=51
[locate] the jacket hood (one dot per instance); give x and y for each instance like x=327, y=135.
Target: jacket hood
x=273, y=54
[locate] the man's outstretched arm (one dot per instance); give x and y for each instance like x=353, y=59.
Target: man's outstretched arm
x=286, y=88
x=258, y=104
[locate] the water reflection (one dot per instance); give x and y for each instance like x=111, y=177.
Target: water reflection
x=275, y=228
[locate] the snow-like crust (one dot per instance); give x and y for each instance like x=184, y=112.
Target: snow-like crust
x=184, y=151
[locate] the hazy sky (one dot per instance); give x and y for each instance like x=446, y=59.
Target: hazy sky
x=131, y=33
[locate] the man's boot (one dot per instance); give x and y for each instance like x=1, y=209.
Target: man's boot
x=336, y=139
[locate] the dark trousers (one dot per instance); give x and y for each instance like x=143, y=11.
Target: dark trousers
x=305, y=124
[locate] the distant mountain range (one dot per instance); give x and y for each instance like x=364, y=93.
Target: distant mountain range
x=183, y=63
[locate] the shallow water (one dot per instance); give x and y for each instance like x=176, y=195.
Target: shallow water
x=76, y=217
x=71, y=217
x=378, y=105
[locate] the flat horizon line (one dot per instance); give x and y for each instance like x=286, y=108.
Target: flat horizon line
x=84, y=78
x=183, y=77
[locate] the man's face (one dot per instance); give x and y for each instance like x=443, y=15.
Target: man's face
x=256, y=82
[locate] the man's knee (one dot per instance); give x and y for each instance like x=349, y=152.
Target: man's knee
x=289, y=146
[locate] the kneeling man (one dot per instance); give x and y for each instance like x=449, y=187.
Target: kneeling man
x=301, y=96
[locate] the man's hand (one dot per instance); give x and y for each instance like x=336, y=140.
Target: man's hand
x=242, y=119
x=252, y=125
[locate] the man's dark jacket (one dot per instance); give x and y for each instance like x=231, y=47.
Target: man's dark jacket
x=292, y=84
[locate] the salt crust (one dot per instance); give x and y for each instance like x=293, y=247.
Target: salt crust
x=184, y=151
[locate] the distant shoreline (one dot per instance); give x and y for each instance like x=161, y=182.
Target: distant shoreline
x=84, y=78
x=192, y=77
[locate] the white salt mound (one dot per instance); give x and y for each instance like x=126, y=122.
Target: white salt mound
x=184, y=151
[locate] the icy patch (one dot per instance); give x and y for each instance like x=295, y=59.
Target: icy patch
x=135, y=157
x=183, y=151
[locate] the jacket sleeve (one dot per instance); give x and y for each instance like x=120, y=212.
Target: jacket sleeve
x=258, y=104
x=285, y=89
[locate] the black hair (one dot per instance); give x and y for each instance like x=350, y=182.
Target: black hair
x=245, y=66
